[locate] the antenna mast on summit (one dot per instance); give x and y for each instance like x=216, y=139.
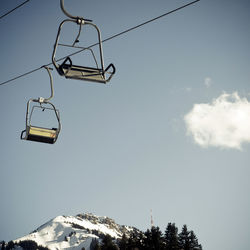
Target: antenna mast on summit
x=151, y=215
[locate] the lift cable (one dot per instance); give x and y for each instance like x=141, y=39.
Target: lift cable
x=105, y=40
x=20, y=5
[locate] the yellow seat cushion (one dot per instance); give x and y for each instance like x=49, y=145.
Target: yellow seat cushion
x=51, y=133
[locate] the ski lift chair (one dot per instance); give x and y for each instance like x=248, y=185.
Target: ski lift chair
x=41, y=134
x=71, y=71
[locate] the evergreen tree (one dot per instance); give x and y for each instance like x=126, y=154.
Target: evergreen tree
x=10, y=245
x=171, y=237
x=3, y=245
x=184, y=242
x=97, y=247
x=188, y=240
x=139, y=241
x=194, y=245
x=153, y=239
x=30, y=245
x=123, y=243
x=147, y=241
x=108, y=244
x=135, y=241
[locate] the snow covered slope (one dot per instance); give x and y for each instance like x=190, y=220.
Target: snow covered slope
x=75, y=232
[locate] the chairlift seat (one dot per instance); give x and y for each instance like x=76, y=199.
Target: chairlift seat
x=39, y=134
x=85, y=73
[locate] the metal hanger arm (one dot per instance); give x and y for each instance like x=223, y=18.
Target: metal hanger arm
x=51, y=86
x=69, y=15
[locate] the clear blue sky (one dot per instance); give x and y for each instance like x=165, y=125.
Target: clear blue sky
x=169, y=133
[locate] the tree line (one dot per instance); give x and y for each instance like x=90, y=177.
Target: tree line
x=26, y=244
x=152, y=239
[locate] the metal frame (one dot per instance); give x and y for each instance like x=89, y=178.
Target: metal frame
x=54, y=131
x=74, y=68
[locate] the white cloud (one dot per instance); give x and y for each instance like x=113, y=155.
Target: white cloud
x=224, y=123
x=208, y=82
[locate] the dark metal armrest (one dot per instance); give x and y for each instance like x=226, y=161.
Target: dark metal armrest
x=64, y=63
x=21, y=137
x=111, y=65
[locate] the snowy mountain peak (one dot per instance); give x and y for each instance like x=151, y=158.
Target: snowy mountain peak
x=68, y=232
